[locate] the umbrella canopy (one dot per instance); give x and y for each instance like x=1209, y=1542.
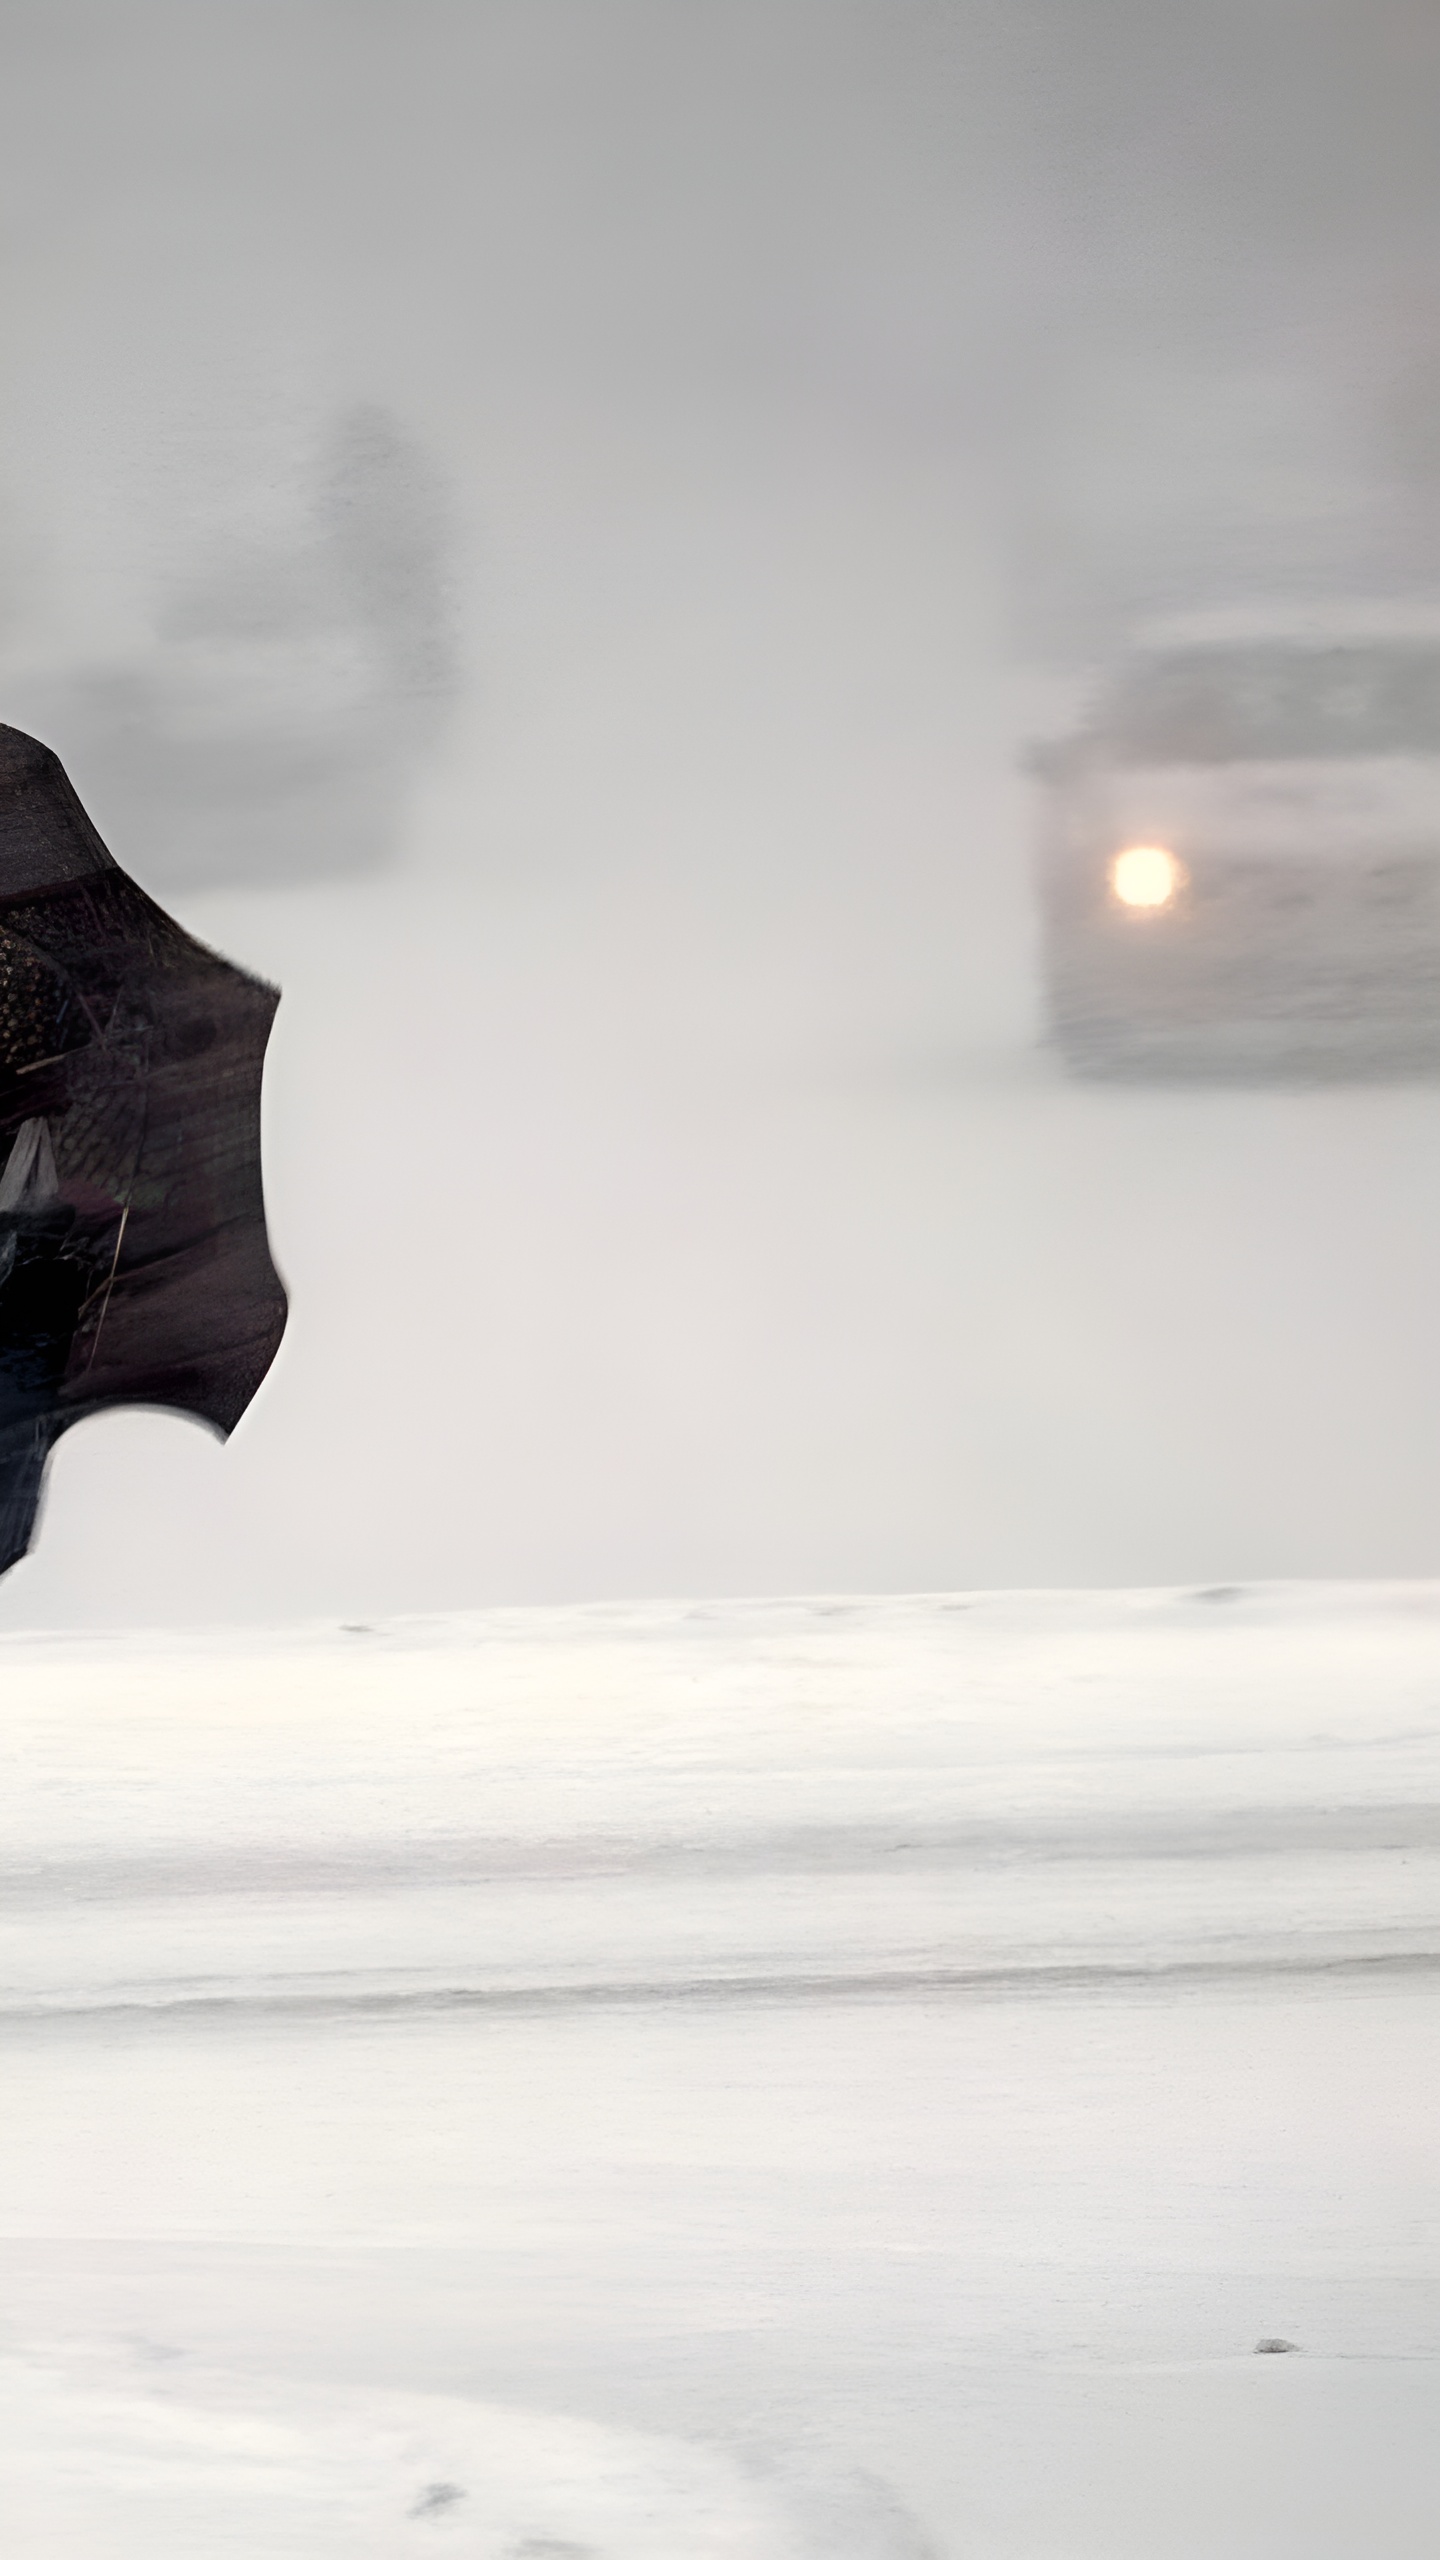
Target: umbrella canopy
x=134, y=1262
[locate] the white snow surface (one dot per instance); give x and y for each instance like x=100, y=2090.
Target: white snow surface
x=846, y=2076
x=104, y=2457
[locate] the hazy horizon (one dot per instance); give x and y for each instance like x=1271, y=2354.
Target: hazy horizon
x=545, y=530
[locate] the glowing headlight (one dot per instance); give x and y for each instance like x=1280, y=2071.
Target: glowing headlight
x=1146, y=875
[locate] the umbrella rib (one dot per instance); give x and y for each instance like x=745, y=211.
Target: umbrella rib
x=103, y=1293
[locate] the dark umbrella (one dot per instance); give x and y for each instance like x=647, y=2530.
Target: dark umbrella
x=134, y=1262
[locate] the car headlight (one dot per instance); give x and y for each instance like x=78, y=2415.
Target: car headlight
x=1147, y=875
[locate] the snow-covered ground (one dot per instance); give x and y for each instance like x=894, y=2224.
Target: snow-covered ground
x=832, y=2076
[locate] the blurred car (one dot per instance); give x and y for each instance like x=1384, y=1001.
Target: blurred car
x=1239, y=862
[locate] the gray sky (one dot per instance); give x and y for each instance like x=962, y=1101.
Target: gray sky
x=542, y=527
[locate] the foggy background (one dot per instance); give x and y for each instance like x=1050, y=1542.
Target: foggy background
x=543, y=526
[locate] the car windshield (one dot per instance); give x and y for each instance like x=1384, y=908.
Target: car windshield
x=1212, y=706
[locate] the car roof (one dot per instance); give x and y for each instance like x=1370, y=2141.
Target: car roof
x=1389, y=621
